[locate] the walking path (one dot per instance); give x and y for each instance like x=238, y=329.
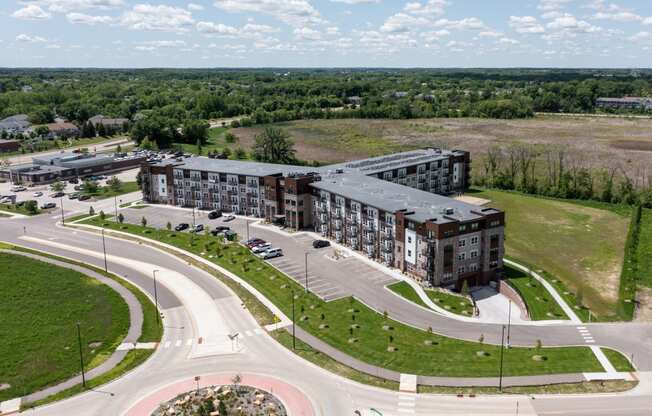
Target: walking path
x=135, y=319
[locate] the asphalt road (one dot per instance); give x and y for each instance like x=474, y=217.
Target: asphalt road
x=331, y=394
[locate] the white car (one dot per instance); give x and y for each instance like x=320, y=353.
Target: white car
x=271, y=253
x=37, y=194
x=18, y=188
x=261, y=248
x=228, y=218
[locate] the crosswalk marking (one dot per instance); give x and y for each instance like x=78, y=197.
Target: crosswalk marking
x=178, y=343
x=249, y=333
x=189, y=342
x=167, y=344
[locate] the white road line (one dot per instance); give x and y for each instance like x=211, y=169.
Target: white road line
x=178, y=343
x=189, y=342
x=259, y=331
x=581, y=327
x=167, y=344
x=249, y=333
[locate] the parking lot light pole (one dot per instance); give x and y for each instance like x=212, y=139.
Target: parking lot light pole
x=106, y=268
x=306, y=269
x=81, y=357
x=63, y=221
x=155, y=296
x=294, y=342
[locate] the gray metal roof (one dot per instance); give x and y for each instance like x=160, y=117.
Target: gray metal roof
x=392, y=197
x=236, y=167
x=395, y=161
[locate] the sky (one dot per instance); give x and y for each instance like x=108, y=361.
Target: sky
x=326, y=33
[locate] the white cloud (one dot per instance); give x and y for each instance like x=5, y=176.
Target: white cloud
x=570, y=23
x=647, y=21
x=31, y=12
x=248, y=31
x=157, y=18
x=305, y=33
x=195, y=7
x=525, y=24
x=428, y=8
x=401, y=22
x=508, y=41
x=640, y=36
x=490, y=34
x=66, y=6
x=85, y=19
x=355, y=1
x=469, y=23
x=332, y=30
x=296, y=13
x=218, y=29
x=30, y=39
x=547, y=5
x=621, y=16
x=435, y=35
x=159, y=44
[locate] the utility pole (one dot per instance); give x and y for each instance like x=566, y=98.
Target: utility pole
x=509, y=321
x=81, y=357
x=106, y=267
x=155, y=296
x=294, y=344
x=502, y=343
x=63, y=221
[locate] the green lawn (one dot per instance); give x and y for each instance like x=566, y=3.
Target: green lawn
x=619, y=361
x=41, y=305
x=352, y=327
x=579, y=244
x=104, y=192
x=644, y=252
x=215, y=143
x=452, y=303
x=540, y=304
x=18, y=209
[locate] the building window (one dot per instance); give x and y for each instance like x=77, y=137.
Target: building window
x=461, y=243
x=461, y=270
x=461, y=256
x=462, y=228
x=474, y=241
x=409, y=253
x=474, y=226
x=409, y=239
x=474, y=254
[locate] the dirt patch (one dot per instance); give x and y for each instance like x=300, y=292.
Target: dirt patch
x=644, y=309
x=472, y=200
x=640, y=146
x=95, y=344
x=5, y=386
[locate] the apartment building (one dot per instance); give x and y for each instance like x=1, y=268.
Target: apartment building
x=390, y=208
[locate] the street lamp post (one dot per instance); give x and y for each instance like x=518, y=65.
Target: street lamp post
x=306, y=269
x=294, y=345
x=502, y=343
x=106, y=267
x=81, y=357
x=155, y=296
x=115, y=203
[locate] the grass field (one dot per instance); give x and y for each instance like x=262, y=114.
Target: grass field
x=352, y=327
x=18, y=209
x=452, y=303
x=580, y=245
x=599, y=140
x=216, y=143
x=104, y=192
x=540, y=304
x=42, y=304
x=645, y=249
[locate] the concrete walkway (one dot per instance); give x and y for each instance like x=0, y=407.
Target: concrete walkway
x=495, y=307
x=135, y=327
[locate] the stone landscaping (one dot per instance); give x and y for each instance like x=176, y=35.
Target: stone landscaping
x=234, y=400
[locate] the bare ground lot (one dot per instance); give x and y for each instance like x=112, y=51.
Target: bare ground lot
x=625, y=143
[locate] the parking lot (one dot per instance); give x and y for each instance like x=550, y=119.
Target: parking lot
x=328, y=278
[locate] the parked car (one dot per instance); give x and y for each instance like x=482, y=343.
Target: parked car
x=320, y=243
x=84, y=197
x=214, y=214
x=18, y=188
x=229, y=218
x=220, y=229
x=271, y=253
x=251, y=243
x=181, y=227
x=78, y=187
x=57, y=195
x=261, y=247
x=73, y=180
x=37, y=194
x=48, y=205
x=73, y=196
x=197, y=228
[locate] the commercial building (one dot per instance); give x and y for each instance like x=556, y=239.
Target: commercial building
x=9, y=146
x=391, y=208
x=15, y=124
x=625, y=103
x=66, y=165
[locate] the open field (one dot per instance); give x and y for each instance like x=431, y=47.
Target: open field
x=581, y=245
x=602, y=141
x=357, y=330
x=104, y=192
x=42, y=304
x=216, y=143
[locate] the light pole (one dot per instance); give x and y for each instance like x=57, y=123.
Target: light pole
x=81, y=357
x=63, y=221
x=294, y=345
x=155, y=296
x=106, y=268
x=115, y=203
x=509, y=321
x=502, y=343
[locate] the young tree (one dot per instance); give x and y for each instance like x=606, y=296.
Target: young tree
x=91, y=211
x=58, y=186
x=102, y=215
x=118, y=149
x=168, y=226
x=31, y=206
x=90, y=187
x=115, y=184
x=273, y=145
x=240, y=153
x=121, y=218
x=101, y=130
x=143, y=221
x=226, y=152
x=230, y=137
x=195, y=131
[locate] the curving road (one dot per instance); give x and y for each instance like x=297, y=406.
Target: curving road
x=257, y=353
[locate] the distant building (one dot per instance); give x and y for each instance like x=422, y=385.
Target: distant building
x=15, y=124
x=400, y=94
x=110, y=124
x=62, y=130
x=65, y=165
x=27, y=88
x=354, y=100
x=625, y=103
x=9, y=146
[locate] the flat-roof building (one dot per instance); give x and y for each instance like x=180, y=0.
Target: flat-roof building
x=393, y=208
